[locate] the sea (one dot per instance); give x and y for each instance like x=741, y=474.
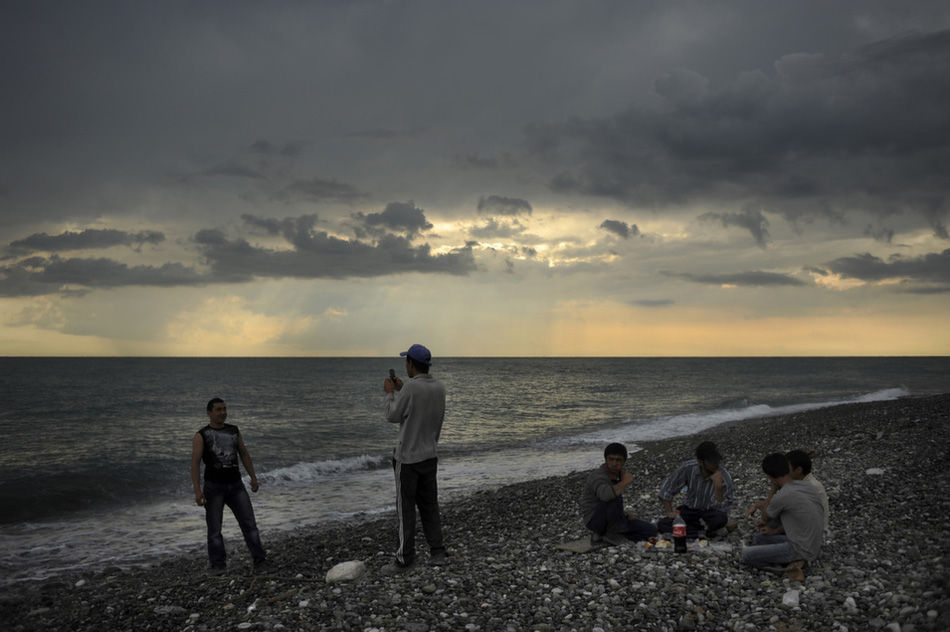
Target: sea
x=95, y=452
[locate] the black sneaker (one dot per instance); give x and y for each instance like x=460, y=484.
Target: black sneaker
x=217, y=570
x=263, y=567
x=438, y=558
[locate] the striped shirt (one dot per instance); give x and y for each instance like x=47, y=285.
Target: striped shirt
x=701, y=492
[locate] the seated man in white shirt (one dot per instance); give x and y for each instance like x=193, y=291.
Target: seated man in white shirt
x=797, y=511
x=799, y=463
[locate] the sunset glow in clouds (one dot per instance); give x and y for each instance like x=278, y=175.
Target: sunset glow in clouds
x=489, y=178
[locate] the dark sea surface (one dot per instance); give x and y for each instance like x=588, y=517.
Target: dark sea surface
x=95, y=452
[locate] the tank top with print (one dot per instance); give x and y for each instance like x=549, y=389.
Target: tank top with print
x=221, y=454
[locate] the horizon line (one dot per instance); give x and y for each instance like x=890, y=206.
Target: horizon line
x=466, y=357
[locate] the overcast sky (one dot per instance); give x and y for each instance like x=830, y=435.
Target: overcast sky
x=486, y=178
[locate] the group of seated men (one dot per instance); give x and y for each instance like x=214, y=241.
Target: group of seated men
x=793, y=518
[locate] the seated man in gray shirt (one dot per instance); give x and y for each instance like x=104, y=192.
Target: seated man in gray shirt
x=796, y=507
x=601, y=502
x=709, y=493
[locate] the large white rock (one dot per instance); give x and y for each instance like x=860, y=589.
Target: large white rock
x=790, y=598
x=345, y=571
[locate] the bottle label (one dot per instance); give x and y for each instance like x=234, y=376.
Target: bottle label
x=679, y=530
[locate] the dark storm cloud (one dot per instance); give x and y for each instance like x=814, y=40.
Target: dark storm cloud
x=500, y=205
x=663, y=302
x=940, y=229
x=620, y=228
x=293, y=229
x=386, y=134
x=267, y=148
x=932, y=267
x=397, y=216
x=503, y=160
x=476, y=161
x=752, y=221
x=316, y=254
x=754, y=278
x=885, y=235
x=269, y=225
x=493, y=229
x=37, y=276
x=814, y=135
x=234, y=170
x=924, y=289
x=319, y=190
x=89, y=239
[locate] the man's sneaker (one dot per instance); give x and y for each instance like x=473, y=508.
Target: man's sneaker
x=778, y=569
x=395, y=568
x=217, y=570
x=263, y=567
x=616, y=539
x=438, y=558
x=596, y=538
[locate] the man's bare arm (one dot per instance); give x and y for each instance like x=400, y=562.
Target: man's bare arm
x=248, y=464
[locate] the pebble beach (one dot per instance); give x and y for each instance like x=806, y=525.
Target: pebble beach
x=884, y=466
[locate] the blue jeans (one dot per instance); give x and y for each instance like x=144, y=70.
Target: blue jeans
x=217, y=495
x=769, y=549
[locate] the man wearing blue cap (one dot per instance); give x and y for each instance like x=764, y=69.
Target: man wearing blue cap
x=418, y=406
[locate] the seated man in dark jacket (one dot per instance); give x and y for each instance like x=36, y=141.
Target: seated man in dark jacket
x=601, y=503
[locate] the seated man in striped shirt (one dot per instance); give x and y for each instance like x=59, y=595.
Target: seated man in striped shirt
x=709, y=493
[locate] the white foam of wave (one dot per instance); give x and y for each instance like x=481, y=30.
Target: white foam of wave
x=309, y=472
x=679, y=425
x=881, y=396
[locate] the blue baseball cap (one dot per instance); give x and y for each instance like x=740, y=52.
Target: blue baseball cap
x=419, y=354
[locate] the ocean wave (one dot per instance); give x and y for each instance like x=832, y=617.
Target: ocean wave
x=690, y=423
x=316, y=470
x=738, y=402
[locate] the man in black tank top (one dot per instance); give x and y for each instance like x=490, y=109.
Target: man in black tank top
x=220, y=445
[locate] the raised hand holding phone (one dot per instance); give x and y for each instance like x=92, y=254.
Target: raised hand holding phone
x=393, y=383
